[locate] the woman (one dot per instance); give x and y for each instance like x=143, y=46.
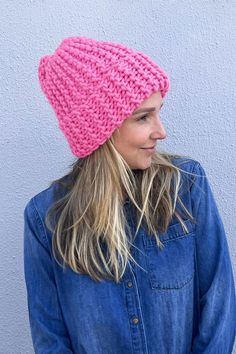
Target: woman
x=127, y=253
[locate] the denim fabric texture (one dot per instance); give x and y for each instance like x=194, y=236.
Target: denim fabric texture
x=184, y=302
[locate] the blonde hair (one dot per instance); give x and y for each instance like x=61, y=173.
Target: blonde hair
x=91, y=233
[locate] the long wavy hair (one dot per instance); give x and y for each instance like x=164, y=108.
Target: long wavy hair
x=90, y=229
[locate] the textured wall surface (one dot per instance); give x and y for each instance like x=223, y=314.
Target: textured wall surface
x=193, y=41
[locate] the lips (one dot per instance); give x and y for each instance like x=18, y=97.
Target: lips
x=149, y=150
x=151, y=147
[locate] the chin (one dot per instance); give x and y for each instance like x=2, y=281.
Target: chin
x=145, y=168
x=141, y=167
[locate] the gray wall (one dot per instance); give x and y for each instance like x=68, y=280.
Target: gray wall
x=193, y=41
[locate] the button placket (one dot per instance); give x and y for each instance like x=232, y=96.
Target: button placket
x=134, y=312
x=132, y=300
x=135, y=320
x=130, y=284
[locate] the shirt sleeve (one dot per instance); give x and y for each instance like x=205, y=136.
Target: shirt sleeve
x=216, y=289
x=48, y=330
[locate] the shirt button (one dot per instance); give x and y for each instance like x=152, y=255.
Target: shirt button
x=135, y=320
x=130, y=284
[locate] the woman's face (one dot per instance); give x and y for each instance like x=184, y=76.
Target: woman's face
x=139, y=131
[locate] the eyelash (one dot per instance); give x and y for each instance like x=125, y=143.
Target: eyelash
x=146, y=116
x=141, y=118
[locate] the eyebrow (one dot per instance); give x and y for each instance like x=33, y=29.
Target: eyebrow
x=150, y=109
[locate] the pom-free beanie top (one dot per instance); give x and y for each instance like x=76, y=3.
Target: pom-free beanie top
x=93, y=86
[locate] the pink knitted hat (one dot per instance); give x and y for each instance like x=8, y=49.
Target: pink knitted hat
x=93, y=86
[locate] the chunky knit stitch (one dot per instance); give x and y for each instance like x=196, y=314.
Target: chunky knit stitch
x=93, y=86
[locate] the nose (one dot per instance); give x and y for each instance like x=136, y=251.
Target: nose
x=158, y=130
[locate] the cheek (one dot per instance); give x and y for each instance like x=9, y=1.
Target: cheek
x=139, y=138
x=130, y=149
x=131, y=139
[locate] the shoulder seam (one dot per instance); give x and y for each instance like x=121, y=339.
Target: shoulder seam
x=196, y=164
x=41, y=223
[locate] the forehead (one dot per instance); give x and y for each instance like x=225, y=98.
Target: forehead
x=154, y=99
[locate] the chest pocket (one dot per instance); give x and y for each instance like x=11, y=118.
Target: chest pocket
x=173, y=266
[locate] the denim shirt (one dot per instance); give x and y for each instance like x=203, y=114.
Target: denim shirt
x=182, y=302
